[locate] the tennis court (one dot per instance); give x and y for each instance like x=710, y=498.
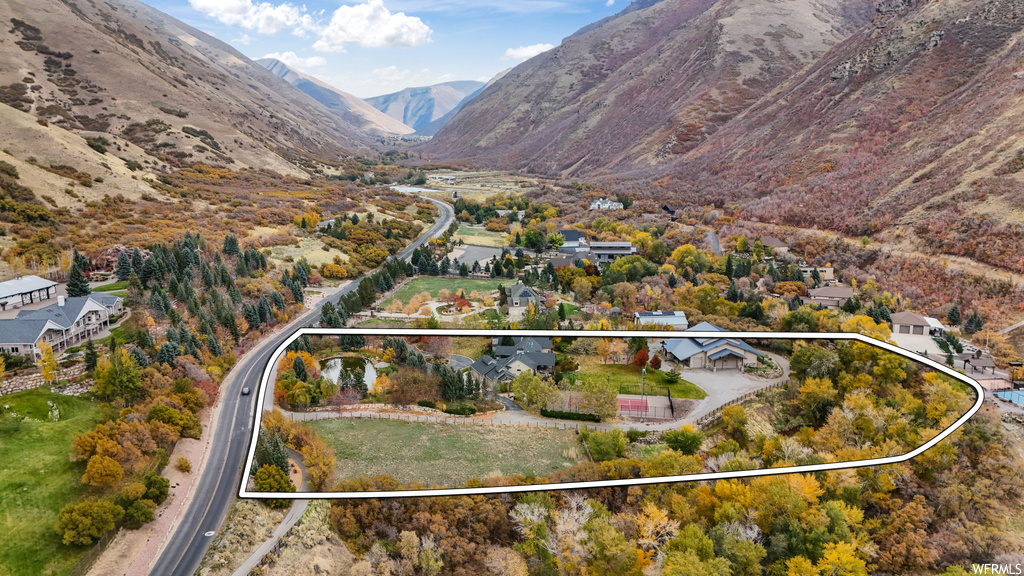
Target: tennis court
x=644, y=406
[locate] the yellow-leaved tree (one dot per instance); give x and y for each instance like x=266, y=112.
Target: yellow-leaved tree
x=47, y=362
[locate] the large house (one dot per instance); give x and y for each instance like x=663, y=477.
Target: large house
x=605, y=204
x=830, y=297
x=773, y=244
x=917, y=333
x=675, y=319
x=25, y=290
x=67, y=323
x=520, y=344
x=519, y=297
x=712, y=353
x=827, y=272
x=574, y=241
x=503, y=370
x=608, y=251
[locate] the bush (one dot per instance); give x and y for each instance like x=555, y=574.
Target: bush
x=633, y=434
x=427, y=404
x=461, y=410
x=270, y=478
x=686, y=440
x=157, y=488
x=605, y=446
x=83, y=523
x=183, y=464
x=139, y=513
x=579, y=416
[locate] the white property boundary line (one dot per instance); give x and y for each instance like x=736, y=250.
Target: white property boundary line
x=265, y=385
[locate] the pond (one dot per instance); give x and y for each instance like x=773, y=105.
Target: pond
x=333, y=367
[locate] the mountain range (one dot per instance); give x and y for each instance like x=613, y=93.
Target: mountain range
x=350, y=108
x=427, y=109
x=892, y=118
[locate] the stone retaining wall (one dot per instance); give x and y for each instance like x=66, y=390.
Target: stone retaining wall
x=30, y=379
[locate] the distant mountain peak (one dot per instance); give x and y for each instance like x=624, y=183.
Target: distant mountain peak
x=422, y=107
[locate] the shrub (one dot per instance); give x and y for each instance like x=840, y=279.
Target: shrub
x=686, y=440
x=578, y=416
x=461, y=410
x=270, y=478
x=605, y=446
x=427, y=404
x=183, y=464
x=157, y=488
x=83, y=523
x=633, y=434
x=139, y=513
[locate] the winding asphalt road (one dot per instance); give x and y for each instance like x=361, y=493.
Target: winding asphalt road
x=230, y=437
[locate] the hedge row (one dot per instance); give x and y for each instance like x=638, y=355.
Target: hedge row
x=461, y=410
x=570, y=416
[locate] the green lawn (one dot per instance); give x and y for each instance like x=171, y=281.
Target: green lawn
x=383, y=323
x=434, y=284
x=37, y=480
x=472, y=346
x=591, y=368
x=480, y=237
x=116, y=332
x=115, y=287
x=444, y=455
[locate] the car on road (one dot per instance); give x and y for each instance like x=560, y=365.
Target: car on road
x=245, y=391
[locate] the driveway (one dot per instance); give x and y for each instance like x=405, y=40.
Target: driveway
x=459, y=362
x=726, y=385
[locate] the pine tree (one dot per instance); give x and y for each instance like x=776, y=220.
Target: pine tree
x=974, y=323
x=137, y=261
x=729, y=266
x=953, y=315
x=299, y=367
x=77, y=284
x=124, y=267
x=733, y=293
x=91, y=355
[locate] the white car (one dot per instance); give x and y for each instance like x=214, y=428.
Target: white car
x=245, y=391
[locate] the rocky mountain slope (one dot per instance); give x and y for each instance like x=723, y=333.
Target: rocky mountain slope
x=646, y=86
x=153, y=89
x=422, y=107
x=351, y=109
x=897, y=119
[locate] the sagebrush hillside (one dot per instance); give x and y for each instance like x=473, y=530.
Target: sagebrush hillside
x=122, y=70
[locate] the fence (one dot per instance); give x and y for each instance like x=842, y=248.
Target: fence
x=648, y=390
x=499, y=421
x=712, y=417
x=94, y=553
x=653, y=412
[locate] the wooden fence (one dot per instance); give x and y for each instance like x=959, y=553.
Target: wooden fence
x=708, y=419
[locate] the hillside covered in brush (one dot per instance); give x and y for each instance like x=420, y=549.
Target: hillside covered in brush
x=895, y=119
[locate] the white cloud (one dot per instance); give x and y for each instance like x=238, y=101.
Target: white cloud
x=368, y=24
x=264, y=17
x=445, y=78
x=609, y=3
x=371, y=24
x=295, y=61
x=244, y=40
x=526, y=52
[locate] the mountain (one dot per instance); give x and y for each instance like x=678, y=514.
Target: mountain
x=351, y=109
x=896, y=119
x=646, y=85
x=124, y=73
x=432, y=128
x=419, y=107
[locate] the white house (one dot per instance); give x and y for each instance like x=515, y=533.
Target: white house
x=25, y=290
x=67, y=323
x=608, y=251
x=605, y=204
x=916, y=333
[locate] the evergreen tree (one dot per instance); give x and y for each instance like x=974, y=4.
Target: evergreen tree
x=974, y=323
x=77, y=284
x=729, y=266
x=230, y=247
x=91, y=355
x=299, y=367
x=852, y=305
x=124, y=267
x=137, y=261
x=733, y=293
x=953, y=315
x=167, y=354
x=463, y=270
x=816, y=276
x=139, y=357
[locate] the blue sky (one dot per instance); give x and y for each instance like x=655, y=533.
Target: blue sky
x=374, y=47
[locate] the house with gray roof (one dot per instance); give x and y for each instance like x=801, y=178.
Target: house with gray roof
x=575, y=241
x=830, y=297
x=608, y=251
x=712, y=353
x=519, y=297
x=25, y=290
x=67, y=323
x=521, y=344
x=503, y=370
